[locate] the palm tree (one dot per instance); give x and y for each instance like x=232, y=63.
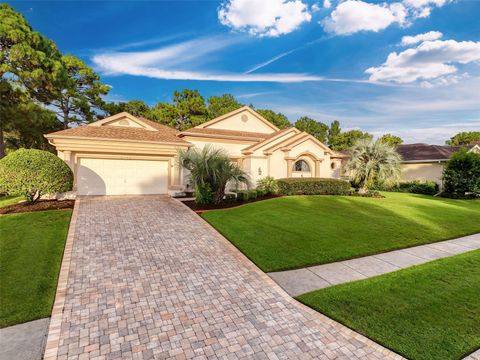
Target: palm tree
x=210, y=171
x=373, y=163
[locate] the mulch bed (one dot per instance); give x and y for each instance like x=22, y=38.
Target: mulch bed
x=41, y=205
x=199, y=208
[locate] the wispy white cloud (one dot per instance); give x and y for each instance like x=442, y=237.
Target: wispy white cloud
x=264, y=18
x=179, y=62
x=255, y=94
x=269, y=61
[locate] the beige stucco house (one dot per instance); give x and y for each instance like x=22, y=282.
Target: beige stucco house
x=124, y=154
x=424, y=162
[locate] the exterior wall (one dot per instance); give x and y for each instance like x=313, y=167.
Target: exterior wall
x=278, y=165
x=243, y=121
x=257, y=168
x=422, y=172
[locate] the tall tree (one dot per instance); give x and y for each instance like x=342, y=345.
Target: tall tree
x=23, y=121
x=134, y=107
x=316, y=128
x=347, y=139
x=78, y=92
x=191, y=108
x=464, y=138
x=220, y=105
x=277, y=119
x=391, y=139
x=333, y=132
x=27, y=58
x=29, y=63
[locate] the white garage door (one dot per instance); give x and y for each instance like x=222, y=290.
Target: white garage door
x=121, y=177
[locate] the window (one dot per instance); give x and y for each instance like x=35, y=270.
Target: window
x=333, y=165
x=301, y=165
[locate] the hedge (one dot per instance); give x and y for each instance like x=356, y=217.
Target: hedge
x=414, y=187
x=313, y=186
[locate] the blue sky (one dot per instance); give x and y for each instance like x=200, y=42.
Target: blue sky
x=409, y=67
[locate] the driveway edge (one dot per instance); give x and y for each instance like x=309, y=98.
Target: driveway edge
x=51, y=348
x=342, y=328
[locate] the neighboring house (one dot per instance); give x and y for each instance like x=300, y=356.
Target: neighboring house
x=425, y=162
x=124, y=154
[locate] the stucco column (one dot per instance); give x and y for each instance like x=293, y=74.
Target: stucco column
x=177, y=171
x=67, y=157
x=289, y=167
x=317, y=167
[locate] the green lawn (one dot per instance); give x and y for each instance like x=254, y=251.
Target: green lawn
x=430, y=311
x=31, y=249
x=298, y=231
x=10, y=200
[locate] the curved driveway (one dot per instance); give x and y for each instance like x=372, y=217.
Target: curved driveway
x=150, y=279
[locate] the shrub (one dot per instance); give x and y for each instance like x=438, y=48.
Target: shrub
x=261, y=192
x=313, y=186
x=203, y=194
x=229, y=198
x=268, y=184
x=414, y=187
x=462, y=173
x=32, y=172
x=245, y=195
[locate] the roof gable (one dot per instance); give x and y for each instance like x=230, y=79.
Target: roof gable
x=243, y=119
x=124, y=120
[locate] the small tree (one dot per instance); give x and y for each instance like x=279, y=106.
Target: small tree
x=32, y=172
x=373, y=163
x=462, y=173
x=210, y=171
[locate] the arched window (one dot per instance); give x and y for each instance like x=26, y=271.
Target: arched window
x=301, y=165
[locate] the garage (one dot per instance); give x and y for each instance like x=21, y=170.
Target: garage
x=97, y=176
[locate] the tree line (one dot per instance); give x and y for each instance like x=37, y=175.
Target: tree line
x=43, y=90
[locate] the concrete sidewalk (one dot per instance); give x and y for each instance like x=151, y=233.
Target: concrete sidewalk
x=296, y=282
x=24, y=341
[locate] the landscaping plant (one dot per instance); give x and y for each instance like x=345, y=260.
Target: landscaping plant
x=31, y=173
x=373, y=163
x=268, y=185
x=210, y=171
x=462, y=173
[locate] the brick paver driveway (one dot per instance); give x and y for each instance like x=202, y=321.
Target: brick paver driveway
x=149, y=279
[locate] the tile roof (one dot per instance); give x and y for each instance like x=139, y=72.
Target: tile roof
x=244, y=134
x=420, y=152
x=164, y=133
